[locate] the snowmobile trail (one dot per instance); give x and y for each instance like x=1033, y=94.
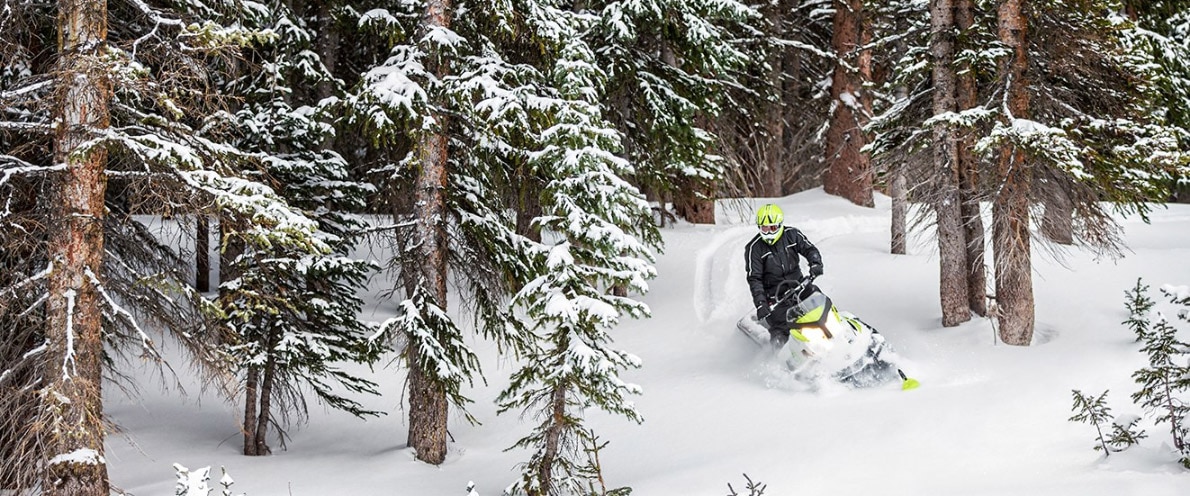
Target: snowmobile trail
x=719, y=275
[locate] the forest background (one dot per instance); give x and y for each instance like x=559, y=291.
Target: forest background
x=527, y=154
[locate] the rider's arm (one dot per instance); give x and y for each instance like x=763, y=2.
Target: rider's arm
x=754, y=270
x=807, y=249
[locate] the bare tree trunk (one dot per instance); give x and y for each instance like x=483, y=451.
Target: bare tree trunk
x=553, y=442
x=202, y=253
x=952, y=253
x=849, y=171
x=251, y=395
x=528, y=207
x=427, y=397
x=1010, y=209
x=1057, y=222
x=966, y=97
x=269, y=373
x=70, y=426
x=899, y=194
x=772, y=142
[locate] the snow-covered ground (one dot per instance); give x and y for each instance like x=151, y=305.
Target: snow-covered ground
x=989, y=418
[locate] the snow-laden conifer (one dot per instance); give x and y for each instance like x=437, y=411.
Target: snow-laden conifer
x=1165, y=382
x=167, y=151
x=596, y=218
x=293, y=312
x=464, y=89
x=670, y=64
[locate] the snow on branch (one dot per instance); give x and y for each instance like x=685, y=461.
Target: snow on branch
x=26, y=90
x=146, y=341
x=28, y=127
x=23, y=169
x=27, y=281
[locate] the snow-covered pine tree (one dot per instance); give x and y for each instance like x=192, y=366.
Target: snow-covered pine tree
x=600, y=223
x=163, y=131
x=1094, y=410
x=1164, y=35
x=1166, y=381
x=293, y=312
x=670, y=63
x=902, y=146
x=491, y=94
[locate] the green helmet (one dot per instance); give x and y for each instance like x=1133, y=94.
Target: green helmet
x=769, y=219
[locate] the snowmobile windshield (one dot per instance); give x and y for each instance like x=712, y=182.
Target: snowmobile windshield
x=805, y=306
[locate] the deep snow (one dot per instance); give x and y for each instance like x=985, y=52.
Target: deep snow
x=988, y=419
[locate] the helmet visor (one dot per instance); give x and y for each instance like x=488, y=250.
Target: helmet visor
x=769, y=229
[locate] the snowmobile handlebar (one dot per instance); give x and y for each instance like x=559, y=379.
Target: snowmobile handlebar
x=793, y=291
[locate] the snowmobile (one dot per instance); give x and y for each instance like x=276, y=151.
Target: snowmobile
x=827, y=342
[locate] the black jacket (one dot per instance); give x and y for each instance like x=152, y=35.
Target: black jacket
x=770, y=265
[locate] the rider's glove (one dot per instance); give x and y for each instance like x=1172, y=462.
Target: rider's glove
x=816, y=270
x=762, y=311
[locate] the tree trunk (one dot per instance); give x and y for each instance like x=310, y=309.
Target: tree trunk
x=899, y=195
x=269, y=374
x=966, y=97
x=202, y=253
x=1057, y=221
x=427, y=397
x=71, y=423
x=1010, y=208
x=528, y=207
x=772, y=141
x=849, y=171
x=952, y=253
x=553, y=442
x=251, y=396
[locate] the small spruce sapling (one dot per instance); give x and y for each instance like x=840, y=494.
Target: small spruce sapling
x=1124, y=433
x=1138, y=304
x=1167, y=378
x=1094, y=410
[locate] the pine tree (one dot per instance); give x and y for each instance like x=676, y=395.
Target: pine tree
x=598, y=219
x=947, y=163
x=294, y=311
x=1138, y=304
x=669, y=63
x=1094, y=410
x=167, y=153
x=1167, y=378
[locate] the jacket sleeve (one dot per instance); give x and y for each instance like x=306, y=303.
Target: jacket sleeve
x=805, y=248
x=754, y=269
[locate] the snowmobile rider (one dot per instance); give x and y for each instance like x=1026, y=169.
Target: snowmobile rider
x=772, y=265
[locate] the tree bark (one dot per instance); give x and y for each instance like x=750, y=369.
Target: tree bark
x=771, y=143
x=251, y=394
x=966, y=98
x=849, y=171
x=269, y=374
x=71, y=423
x=1010, y=208
x=899, y=194
x=553, y=442
x=1057, y=221
x=952, y=253
x=427, y=397
x=202, y=253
